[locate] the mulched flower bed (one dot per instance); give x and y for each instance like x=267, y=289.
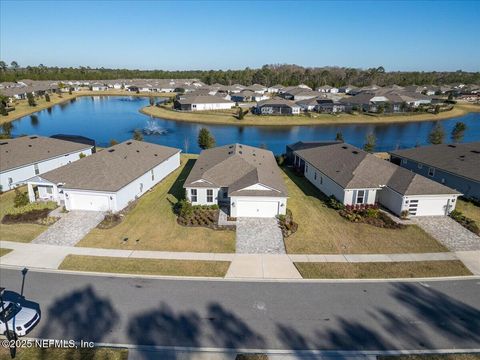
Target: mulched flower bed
x=36, y=216
x=369, y=214
x=113, y=219
x=287, y=225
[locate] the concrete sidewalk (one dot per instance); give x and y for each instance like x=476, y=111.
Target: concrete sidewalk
x=243, y=266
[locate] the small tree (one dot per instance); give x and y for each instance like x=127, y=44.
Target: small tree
x=339, y=137
x=70, y=90
x=370, y=142
x=113, y=142
x=458, y=131
x=31, y=100
x=137, y=135
x=437, y=134
x=205, y=139
x=47, y=98
x=436, y=109
x=3, y=109
x=241, y=114
x=20, y=199
x=152, y=101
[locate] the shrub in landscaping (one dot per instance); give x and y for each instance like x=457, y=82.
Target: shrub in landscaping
x=280, y=160
x=465, y=221
x=369, y=214
x=183, y=208
x=334, y=203
x=404, y=214
x=20, y=199
x=31, y=100
x=110, y=220
x=287, y=225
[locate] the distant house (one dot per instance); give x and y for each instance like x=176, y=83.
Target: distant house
x=202, y=102
x=307, y=104
x=98, y=87
x=244, y=179
x=24, y=157
x=260, y=89
x=355, y=177
x=107, y=180
x=346, y=89
x=331, y=107
x=275, y=88
x=454, y=165
x=247, y=95
x=298, y=93
x=277, y=106
x=328, y=89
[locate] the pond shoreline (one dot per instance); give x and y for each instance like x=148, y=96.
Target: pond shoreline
x=296, y=120
x=460, y=109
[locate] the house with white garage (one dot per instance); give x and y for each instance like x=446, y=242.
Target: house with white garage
x=243, y=179
x=202, y=102
x=454, y=165
x=26, y=156
x=107, y=180
x=354, y=176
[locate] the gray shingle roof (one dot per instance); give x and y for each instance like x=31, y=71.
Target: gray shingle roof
x=460, y=159
x=113, y=168
x=353, y=168
x=237, y=166
x=203, y=99
x=31, y=149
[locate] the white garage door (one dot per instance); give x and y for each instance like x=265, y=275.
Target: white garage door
x=257, y=208
x=427, y=207
x=91, y=202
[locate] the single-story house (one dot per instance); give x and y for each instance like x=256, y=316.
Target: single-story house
x=24, y=157
x=307, y=104
x=301, y=145
x=299, y=93
x=277, y=106
x=202, y=102
x=454, y=165
x=328, y=89
x=275, y=88
x=259, y=89
x=244, y=179
x=247, y=95
x=355, y=177
x=107, y=180
x=99, y=87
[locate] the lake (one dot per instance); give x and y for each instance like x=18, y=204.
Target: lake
x=104, y=118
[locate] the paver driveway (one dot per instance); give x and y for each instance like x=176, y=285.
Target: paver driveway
x=450, y=233
x=71, y=228
x=259, y=236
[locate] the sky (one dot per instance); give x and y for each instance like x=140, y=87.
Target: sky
x=186, y=35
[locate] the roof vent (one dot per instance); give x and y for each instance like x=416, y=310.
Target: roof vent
x=138, y=151
x=129, y=143
x=475, y=151
x=155, y=154
x=4, y=143
x=230, y=152
x=344, y=147
x=452, y=146
x=33, y=137
x=240, y=152
x=111, y=150
x=354, y=152
x=29, y=145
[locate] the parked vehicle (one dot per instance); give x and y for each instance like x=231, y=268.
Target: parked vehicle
x=20, y=320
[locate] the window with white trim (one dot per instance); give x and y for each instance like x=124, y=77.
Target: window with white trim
x=209, y=195
x=360, y=196
x=193, y=195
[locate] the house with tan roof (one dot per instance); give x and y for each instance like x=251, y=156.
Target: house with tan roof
x=244, y=179
x=26, y=156
x=107, y=180
x=202, y=102
x=355, y=177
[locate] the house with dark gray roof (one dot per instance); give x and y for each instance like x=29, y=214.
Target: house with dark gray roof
x=454, y=165
x=277, y=106
x=202, y=102
x=26, y=156
x=355, y=177
x=244, y=179
x=107, y=180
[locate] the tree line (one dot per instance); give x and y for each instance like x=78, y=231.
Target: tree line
x=287, y=75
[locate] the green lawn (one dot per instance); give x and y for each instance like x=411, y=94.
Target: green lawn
x=469, y=210
x=153, y=223
x=34, y=353
x=145, y=266
x=381, y=270
x=322, y=231
x=16, y=232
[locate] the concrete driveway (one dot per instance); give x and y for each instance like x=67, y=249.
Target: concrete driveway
x=259, y=236
x=71, y=228
x=450, y=233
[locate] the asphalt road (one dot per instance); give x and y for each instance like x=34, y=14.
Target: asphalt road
x=248, y=315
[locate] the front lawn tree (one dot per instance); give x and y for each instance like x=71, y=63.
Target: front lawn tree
x=31, y=100
x=151, y=101
x=205, y=139
x=437, y=134
x=137, y=135
x=458, y=131
x=339, y=137
x=47, y=98
x=3, y=109
x=370, y=143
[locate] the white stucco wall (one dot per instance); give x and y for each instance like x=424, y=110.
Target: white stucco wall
x=216, y=106
x=19, y=175
x=323, y=182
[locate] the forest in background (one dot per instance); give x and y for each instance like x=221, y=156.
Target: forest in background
x=287, y=75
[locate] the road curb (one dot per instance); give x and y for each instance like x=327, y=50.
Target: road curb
x=219, y=279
